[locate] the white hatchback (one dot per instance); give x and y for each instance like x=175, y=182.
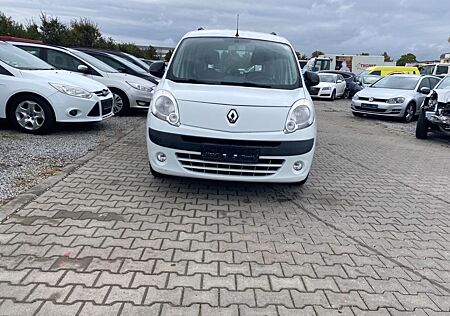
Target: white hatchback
x=33, y=95
x=232, y=107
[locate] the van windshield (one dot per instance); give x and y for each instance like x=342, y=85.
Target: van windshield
x=235, y=61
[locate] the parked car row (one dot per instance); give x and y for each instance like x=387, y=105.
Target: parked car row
x=42, y=84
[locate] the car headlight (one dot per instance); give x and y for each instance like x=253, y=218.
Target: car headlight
x=301, y=115
x=395, y=100
x=165, y=107
x=141, y=87
x=355, y=97
x=326, y=88
x=72, y=90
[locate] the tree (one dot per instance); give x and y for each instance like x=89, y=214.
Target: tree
x=405, y=59
x=317, y=53
x=10, y=27
x=84, y=33
x=168, y=55
x=301, y=56
x=150, y=53
x=387, y=58
x=53, y=31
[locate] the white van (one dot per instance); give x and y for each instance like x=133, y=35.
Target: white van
x=232, y=107
x=128, y=91
x=33, y=95
x=440, y=69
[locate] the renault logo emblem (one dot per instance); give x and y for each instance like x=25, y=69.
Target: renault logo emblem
x=232, y=116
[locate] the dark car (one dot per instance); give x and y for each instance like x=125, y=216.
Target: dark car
x=133, y=59
x=348, y=77
x=119, y=63
x=360, y=82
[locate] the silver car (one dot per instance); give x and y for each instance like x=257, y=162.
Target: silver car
x=395, y=96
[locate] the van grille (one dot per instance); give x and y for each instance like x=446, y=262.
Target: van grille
x=265, y=166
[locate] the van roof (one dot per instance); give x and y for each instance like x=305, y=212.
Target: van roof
x=242, y=34
x=390, y=67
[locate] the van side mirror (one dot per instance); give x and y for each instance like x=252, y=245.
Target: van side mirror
x=157, y=69
x=83, y=69
x=425, y=90
x=311, y=79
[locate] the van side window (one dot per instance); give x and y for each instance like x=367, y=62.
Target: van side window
x=376, y=73
x=62, y=60
x=442, y=70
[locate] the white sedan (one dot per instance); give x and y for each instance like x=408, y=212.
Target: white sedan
x=330, y=86
x=33, y=95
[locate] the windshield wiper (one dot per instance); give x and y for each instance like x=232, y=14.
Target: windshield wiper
x=190, y=80
x=245, y=84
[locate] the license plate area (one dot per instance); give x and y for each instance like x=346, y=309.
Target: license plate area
x=369, y=106
x=226, y=153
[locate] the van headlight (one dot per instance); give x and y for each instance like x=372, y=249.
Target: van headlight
x=165, y=107
x=72, y=90
x=301, y=115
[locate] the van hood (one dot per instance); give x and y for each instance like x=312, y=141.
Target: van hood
x=443, y=95
x=64, y=77
x=382, y=93
x=209, y=106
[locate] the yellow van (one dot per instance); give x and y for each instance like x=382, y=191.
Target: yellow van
x=388, y=70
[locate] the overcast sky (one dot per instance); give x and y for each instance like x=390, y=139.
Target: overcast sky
x=333, y=26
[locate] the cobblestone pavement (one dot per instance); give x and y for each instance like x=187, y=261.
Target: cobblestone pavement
x=368, y=234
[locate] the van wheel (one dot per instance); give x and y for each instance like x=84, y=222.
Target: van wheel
x=410, y=111
x=422, y=126
x=32, y=114
x=333, y=95
x=121, y=104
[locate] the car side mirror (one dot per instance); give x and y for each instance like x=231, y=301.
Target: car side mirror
x=83, y=69
x=311, y=79
x=339, y=81
x=157, y=69
x=425, y=90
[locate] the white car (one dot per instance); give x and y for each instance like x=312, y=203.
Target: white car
x=330, y=86
x=33, y=95
x=129, y=91
x=211, y=120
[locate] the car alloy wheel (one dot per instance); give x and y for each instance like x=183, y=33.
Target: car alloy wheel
x=409, y=113
x=30, y=115
x=117, y=103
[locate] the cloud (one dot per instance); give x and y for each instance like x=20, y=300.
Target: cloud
x=333, y=26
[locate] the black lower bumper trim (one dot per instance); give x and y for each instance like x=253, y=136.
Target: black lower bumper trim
x=266, y=148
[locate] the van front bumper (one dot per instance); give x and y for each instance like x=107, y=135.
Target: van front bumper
x=183, y=156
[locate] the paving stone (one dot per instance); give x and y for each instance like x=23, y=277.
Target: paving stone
x=52, y=309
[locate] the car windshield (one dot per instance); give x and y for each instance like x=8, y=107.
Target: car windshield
x=397, y=82
x=20, y=59
x=444, y=83
x=128, y=64
x=137, y=61
x=93, y=61
x=327, y=78
x=370, y=79
x=235, y=61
